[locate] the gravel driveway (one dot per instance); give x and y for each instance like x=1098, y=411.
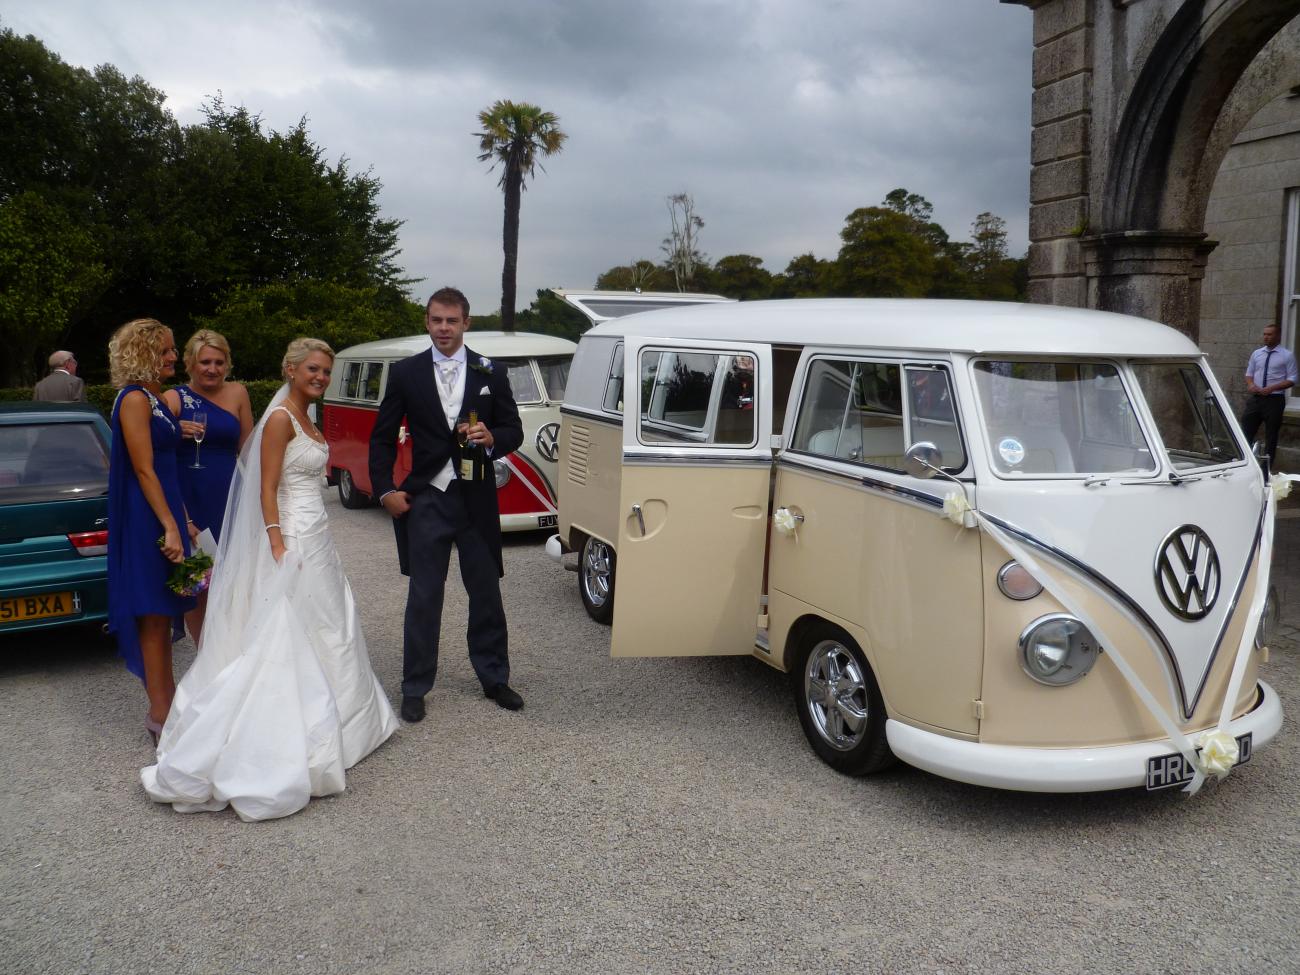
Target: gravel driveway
x=638, y=816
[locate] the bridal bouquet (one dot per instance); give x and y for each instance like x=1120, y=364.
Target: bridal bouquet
x=193, y=575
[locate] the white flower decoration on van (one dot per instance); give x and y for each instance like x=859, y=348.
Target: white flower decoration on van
x=1281, y=485
x=958, y=510
x=1219, y=753
x=786, y=521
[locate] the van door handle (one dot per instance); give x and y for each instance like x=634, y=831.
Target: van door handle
x=640, y=520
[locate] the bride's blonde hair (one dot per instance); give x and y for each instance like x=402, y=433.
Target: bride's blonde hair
x=298, y=351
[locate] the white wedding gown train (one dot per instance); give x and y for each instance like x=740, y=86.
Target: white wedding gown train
x=281, y=698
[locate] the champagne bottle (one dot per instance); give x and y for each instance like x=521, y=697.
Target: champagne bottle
x=472, y=459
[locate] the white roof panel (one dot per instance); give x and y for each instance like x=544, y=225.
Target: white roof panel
x=506, y=345
x=981, y=327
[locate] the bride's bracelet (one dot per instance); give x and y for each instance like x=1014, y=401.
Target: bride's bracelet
x=274, y=524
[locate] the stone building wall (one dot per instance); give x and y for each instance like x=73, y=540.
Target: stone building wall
x=1242, y=291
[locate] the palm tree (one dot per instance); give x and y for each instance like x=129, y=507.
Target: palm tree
x=516, y=135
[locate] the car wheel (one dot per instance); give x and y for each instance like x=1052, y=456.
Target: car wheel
x=596, y=579
x=348, y=493
x=839, y=703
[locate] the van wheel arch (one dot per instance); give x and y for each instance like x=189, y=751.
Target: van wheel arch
x=816, y=647
x=597, y=567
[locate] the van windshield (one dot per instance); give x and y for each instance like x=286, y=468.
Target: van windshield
x=1189, y=417
x=1068, y=417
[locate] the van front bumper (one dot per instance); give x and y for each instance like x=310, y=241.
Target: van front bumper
x=1060, y=769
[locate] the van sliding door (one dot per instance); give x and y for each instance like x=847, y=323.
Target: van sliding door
x=697, y=462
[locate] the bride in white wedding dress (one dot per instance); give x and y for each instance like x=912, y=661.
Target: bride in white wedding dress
x=281, y=698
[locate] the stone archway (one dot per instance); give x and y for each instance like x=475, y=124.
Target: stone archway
x=1132, y=109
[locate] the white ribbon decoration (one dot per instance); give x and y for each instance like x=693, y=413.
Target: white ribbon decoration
x=550, y=508
x=1219, y=751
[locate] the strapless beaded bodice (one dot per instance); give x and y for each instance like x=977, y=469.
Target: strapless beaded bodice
x=302, y=509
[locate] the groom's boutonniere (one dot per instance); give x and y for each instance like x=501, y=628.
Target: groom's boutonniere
x=484, y=365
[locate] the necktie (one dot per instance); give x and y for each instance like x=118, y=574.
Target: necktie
x=1268, y=355
x=447, y=370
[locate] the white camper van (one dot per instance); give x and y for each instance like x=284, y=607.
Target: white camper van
x=1018, y=546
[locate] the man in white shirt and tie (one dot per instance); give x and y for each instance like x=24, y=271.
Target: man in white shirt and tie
x=1270, y=372
x=440, y=503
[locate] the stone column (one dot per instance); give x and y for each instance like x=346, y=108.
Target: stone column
x=1153, y=274
x=1060, y=149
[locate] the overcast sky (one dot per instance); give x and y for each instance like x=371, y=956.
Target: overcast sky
x=778, y=116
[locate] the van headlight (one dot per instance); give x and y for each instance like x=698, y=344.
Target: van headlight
x=1057, y=650
x=502, y=473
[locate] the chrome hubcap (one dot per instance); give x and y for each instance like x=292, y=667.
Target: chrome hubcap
x=595, y=571
x=345, y=482
x=835, y=690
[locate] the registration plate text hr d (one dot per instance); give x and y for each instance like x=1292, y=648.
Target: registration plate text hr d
x=1167, y=771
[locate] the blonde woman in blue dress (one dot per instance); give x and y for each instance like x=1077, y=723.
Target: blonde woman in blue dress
x=281, y=698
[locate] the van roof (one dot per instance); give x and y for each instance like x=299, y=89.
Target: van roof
x=491, y=344
x=983, y=327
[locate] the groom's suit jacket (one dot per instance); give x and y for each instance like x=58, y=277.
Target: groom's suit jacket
x=412, y=394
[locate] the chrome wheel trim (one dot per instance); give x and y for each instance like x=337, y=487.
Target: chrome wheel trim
x=595, y=571
x=835, y=693
x=346, y=486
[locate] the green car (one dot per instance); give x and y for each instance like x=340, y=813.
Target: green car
x=53, y=515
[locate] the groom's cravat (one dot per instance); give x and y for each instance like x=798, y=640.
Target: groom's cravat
x=447, y=370
x=448, y=374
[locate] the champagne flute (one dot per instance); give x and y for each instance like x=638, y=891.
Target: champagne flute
x=202, y=420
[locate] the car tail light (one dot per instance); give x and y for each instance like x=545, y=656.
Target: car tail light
x=90, y=543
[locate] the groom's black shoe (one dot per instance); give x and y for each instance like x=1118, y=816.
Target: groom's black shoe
x=412, y=709
x=504, y=696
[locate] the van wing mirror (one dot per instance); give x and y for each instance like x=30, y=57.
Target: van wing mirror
x=922, y=459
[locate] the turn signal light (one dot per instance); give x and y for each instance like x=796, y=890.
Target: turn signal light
x=90, y=543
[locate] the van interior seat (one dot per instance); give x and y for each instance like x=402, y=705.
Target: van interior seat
x=881, y=446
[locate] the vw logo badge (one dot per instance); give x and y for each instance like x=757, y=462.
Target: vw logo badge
x=1187, y=573
x=548, y=441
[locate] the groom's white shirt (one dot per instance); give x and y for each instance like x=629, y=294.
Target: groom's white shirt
x=450, y=405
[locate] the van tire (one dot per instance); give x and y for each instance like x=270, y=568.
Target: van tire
x=349, y=496
x=826, y=651
x=596, y=579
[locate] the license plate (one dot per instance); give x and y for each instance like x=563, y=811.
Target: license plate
x=1167, y=771
x=14, y=609
x=546, y=521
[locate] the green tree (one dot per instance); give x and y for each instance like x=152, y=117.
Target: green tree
x=805, y=277
x=515, y=136
x=550, y=314
x=883, y=256
x=640, y=275
x=49, y=270
x=260, y=321
x=740, y=276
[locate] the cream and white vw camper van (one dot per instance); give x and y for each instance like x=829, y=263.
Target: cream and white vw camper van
x=1019, y=546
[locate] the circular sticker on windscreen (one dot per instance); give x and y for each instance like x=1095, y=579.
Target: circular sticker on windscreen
x=1011, y=450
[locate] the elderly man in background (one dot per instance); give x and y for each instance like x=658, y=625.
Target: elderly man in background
x=62, y=384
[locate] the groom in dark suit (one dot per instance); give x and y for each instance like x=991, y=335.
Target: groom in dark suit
x=435, y=507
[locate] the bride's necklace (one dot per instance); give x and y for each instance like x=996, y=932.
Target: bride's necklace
x=304, y=421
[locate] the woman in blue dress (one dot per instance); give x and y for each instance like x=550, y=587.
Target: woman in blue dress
x=229, y=422
x=147, y=527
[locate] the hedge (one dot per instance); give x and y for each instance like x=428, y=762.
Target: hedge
x=102, y=397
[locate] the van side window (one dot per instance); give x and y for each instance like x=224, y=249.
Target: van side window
x=369, y=387
x=352, y=380
x=852, y=411
x=614, y=384
x=929, y=396
x=697, y=398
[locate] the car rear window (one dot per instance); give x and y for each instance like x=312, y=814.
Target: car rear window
x=51, y=462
